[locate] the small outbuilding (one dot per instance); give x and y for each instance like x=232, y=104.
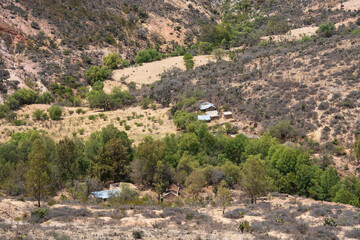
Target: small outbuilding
x=206, y=106
x=228, y=115
x=213, y=114
x=205, y=118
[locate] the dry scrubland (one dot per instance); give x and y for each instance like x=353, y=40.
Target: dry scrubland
x=280, y=216
x=142, y=122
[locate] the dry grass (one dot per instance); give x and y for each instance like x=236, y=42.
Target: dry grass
x=146, y=122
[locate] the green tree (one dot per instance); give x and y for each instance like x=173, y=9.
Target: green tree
x=147, y=154
x=55, y=112
x=67, y=161
x=235, y=147
x=38, y=173
x=254, y=179
x=97, y=73
x=326, y=29
x=223, y=195
x=162, y=177
x=113, y=161
x=112, y=60
x=205, y=47
x=195, y=182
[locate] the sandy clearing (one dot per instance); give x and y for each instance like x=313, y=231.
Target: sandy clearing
x=292, y=35
x=150, y=72
x=349, y=5
x=149, y=122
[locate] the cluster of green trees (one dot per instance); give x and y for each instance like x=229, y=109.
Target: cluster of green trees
x=97, y=98
x=148, y=55
x=32, y=163
x=22, y=97
x=111, y=62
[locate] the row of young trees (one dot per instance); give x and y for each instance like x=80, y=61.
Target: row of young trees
x=32, y=163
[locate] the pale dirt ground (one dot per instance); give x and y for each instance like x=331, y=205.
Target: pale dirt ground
x=159, y=123
x=292, y=35
x=151, y=72
x=350, y=5
x=100, y=225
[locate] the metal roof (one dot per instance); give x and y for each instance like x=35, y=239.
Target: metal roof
x=106, y=194
x=227, y=113
x=204, y=118
x=206, y=105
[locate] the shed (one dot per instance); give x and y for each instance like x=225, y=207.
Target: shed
x=106, y=194
x=206, y=106
x=205, y=118
x=228, y=115
x=213, y=114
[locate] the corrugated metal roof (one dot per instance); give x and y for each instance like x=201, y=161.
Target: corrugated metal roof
x=204, y=118
x=206, y=105
x=106, y=194
x=227, y=113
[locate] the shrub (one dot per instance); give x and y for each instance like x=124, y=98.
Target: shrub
x=112, y=60
x=330, y=222
x=305, y=39
x=244, y=226
x=355, y=233
x=45, y=98
x=137, y=234
x=55, y=112
x=97, y=73
x=205, y=47
x=326, y=29
x=125, y=64
x=18, y=122
x=263, y=44
x=356, y=32
x=39, y=114
x=234, y=214
x=147, y=55
x=40, y=212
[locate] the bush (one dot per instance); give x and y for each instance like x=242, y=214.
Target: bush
x=125, y=64
x=205, y=47
x=330, y=222
x=147, y=55
x=39, y=213
x=234, y=214
x=326, y=29
x=112, y=60
x=39, y=114
x=97, y=73
x=244, y=226
x=137, y=234
x=355, y=233
x=55, y=112
x=45, y=98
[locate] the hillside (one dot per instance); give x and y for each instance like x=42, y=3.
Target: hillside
x=179, y=119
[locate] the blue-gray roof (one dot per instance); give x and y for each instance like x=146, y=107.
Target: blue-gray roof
x=106, y=194
x=206, y=105
x=204, y=118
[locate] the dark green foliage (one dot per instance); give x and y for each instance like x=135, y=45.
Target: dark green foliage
x=283, y=131
x=148, y=55
x=99, y=99
x=326, y=29
x=112, y=60
x=97, y=73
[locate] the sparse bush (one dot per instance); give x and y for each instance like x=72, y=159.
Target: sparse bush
x=330, y=222
x=137, y=234
x=55, y=112
x=244, y=226
x=97, y=73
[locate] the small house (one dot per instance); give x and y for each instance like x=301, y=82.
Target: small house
x=213, y=114
x=206, y=106
x=204, y=118
x=228, y=115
